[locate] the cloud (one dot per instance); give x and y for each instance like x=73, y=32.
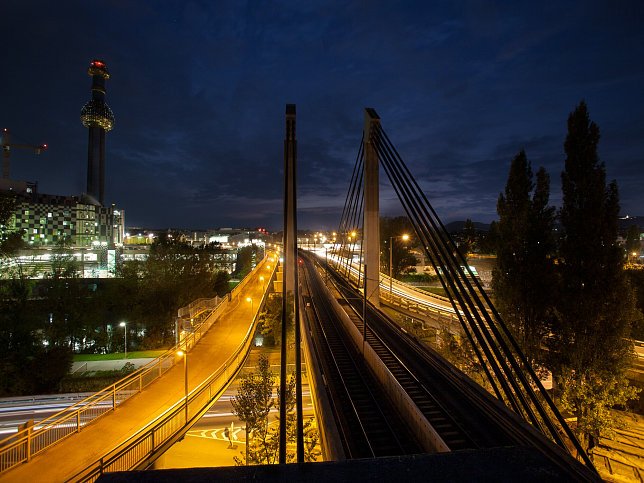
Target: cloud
x=199, y=88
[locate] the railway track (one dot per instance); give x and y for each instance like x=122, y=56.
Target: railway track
x=435, y=387
x=463, y=414
x=423, y=390
x=368, y=423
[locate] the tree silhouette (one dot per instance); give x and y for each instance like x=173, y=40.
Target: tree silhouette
x=590, y=347
x=524, y=278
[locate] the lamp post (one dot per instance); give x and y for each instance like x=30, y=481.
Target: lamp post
x=124, y=325
x=391, y=259
x=261, y=279
x=185, y=377
x=248, y=299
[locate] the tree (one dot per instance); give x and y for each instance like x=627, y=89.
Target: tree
x=27, y=364
x=246, y=259
x=523, y=280
x=455, y=347
x=220, y=284
x=590, y=348
x=64, y=302
x=469, y=243
x=10, y=240
x=252, y=405
x=174, y=275
x=270, y=320
x=254, y=400
x=394, y=228
x=488, y=242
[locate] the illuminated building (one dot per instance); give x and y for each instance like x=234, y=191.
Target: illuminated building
x=93, y=231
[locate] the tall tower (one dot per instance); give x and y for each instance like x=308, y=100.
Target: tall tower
x=97, y=116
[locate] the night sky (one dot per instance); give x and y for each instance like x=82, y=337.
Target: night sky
x=199, y=91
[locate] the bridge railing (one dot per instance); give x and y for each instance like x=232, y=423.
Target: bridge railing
x=23, y=445
x=418, y=307
x=156, y=437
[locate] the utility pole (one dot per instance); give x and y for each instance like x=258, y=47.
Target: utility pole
x=290, y=287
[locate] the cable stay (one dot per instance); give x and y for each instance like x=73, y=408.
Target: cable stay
x=511, y=377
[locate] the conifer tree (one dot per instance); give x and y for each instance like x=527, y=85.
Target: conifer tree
x=590, y=346
x=524, y=277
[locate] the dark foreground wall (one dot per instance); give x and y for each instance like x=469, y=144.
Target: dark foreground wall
x=492, y=465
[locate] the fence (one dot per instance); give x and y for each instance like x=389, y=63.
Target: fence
x=152, y=440
x=26, y=443
x=420, y=307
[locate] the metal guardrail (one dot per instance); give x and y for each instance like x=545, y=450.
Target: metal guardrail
x=400, y=301
x=417, y=307
x=25, y=444
x=150, y=440
x=198, y=306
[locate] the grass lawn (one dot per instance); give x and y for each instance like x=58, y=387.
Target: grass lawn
x=435, y=290
x=117, y=355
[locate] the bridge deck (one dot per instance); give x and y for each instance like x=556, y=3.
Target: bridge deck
x=70, y=456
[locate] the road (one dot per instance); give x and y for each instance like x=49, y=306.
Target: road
x=205, y=445
x=17, y=410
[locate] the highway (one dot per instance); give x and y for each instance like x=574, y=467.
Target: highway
x=204, y=445
x=17, y=410
x=435, y=302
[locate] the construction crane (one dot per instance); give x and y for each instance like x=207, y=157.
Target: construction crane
x=7, y=146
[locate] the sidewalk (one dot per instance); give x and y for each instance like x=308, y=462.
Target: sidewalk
x=65, y=459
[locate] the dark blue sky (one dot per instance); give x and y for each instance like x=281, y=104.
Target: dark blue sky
x=199, y=90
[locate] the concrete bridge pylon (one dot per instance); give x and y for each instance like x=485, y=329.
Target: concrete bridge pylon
x=371, y=236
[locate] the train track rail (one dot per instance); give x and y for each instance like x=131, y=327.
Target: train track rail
x=463, y=414
x=426, y=390
x=367, y=422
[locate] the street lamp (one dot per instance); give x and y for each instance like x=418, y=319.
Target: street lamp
x=391, y=258
x=248, y=299
x=184, y=354
x=124, y=325
x=261, y=279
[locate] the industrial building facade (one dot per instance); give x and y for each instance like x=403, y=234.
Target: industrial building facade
x=47, y=220
x=91, y=232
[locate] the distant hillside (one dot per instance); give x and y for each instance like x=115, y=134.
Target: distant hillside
x=627, y=221
x=624, y=223
x=458, y=226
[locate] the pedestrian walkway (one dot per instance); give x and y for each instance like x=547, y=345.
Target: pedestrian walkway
x=70, y=456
